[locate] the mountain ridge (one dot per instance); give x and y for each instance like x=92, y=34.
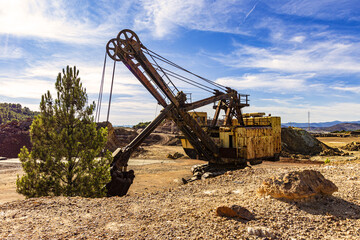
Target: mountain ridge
x=318, y=124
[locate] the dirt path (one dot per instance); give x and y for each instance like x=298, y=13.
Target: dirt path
x=8, y=185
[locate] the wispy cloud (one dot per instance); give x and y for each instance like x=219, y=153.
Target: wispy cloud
x=283, y=101
x=327, y=57
x=25, y=88
x=286, y=48
x=320, y=9
x=52, y=20
x=353, y=89
x=11, y=52
x=164, y=17
x=127, y=111
x=40, y=76
x=319, y=113
x=270, y=82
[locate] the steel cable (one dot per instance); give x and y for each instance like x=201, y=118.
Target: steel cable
x=98, y=107
x=111, y=89
x=155, y=55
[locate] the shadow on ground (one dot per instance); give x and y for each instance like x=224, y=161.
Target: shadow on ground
x=330, y=205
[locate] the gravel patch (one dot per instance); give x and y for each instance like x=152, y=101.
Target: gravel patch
x=189, y=211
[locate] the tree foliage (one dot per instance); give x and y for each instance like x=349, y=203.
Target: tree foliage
x=66, y=145
x=13, y=111
x=141, y=125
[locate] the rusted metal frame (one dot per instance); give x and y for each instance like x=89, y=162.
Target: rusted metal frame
x=228, y=114
x=121, y=155
x=155, y=76
x=197, y=138
x=133, y=67
x=239, y=116
x=246, y=104
x=238, y=112
x=206, y=143
x=192, y=138
x=206, y=101
x=216, y=115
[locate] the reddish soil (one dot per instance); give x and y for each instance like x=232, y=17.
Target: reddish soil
x=13, y=136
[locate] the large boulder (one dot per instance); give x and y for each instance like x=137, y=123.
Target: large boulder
x=297, y=185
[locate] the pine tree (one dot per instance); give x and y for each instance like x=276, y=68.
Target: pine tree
x=66, y=145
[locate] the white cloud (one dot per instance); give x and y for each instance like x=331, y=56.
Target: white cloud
x=131, y=111
x=318, y=113
x=283, y=101
x=163, y=17
x=40, y=76
x=24, y=88
x=298, y=39
x=55, y=20
x=328, y=57
x=319, y=9
x=270, y=82
x=90, y=73
x=354, y=89
x=11, y=52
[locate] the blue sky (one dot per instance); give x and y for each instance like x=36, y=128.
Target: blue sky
x=292, y=57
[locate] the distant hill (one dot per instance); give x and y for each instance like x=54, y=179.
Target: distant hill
x=343, y=127
x=317, y=125
x=13, y=111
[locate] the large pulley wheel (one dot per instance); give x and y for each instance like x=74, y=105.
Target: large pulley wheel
x=126, y=40
x=111, y=49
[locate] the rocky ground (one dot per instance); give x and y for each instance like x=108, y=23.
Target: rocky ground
x=156, y=210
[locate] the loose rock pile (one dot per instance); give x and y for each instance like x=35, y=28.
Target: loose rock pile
x=353, y=146
x=298, y=143
x=333, y=152
x=297, y=185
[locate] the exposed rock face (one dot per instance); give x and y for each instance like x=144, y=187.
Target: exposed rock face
x=297, y=185
x=235, y=211
x=13, y=136
x=125, y=135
